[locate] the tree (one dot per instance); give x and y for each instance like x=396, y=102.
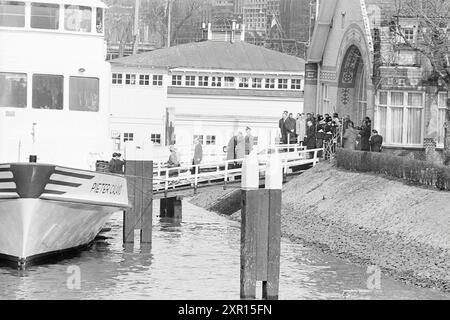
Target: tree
x=432, y=20
x=155, y=17
x=119, y=23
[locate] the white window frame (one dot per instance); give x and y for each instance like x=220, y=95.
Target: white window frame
x=269, y=83
x=203, y=81
x=405, y=107
x=210, y=140
x=177, y=80
x=282, y=83
x=200, y=138
x=229, y=84
x=409, y=34
x=442, y=106
x=154, y=137
x=130, y=79
x=216, y=81
x=189, y=80
x=128, y=136
x=257, y=83
x=115, y=78
x=144, y=79
x=157, y=80
x=243, y=82
x=296, y=84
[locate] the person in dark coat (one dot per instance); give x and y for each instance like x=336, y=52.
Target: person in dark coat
x=365, y=133
x=281, y=125
x=173, y=158
x=231, y=148
x=116, y=164
x=289, y=125
x=240, y=146
x=198, y=154
x=350, y=137
x=310, y=139
x=345, y=123
x=376, y=141
x=249, y=141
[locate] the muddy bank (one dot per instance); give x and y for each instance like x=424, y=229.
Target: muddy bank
x=363, y=218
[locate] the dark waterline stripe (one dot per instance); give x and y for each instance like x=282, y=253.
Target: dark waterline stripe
x=63, y=183
x=53, y=192
x=7, y=180
x=73, y=174
x=8, y=190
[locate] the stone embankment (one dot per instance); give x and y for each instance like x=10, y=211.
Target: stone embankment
x=364, y=218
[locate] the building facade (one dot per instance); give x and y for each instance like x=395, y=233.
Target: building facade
x=358, y=67
x=208, y=90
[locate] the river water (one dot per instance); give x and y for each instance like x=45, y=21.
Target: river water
x=195, y=259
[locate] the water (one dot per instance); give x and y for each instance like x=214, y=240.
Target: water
x=197, y=259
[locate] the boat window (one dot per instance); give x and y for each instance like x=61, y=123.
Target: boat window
x=44, y=16
x=48, y=91
x=13, y=90
x=99, y=20
x=77, y=18
x=12, y=14
x=84, y=94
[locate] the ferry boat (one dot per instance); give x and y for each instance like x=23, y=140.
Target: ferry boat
x=54, y=108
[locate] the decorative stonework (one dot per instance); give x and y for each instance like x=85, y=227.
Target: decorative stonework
x=354, y=37
x=345, y=96
x=350, y=67
x=328, y=75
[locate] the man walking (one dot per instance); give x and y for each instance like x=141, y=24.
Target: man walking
x=249, y=140
x=289, y=124
x=281, y=125
x=198, y=154
x=115, y=164
x=376, y=141
x=300, y=127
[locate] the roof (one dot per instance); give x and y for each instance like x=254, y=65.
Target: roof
x=88, y=3
x=221, y=55
x=321, y=30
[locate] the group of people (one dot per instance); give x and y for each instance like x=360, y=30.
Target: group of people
x=116, y=164
x=240, y=145
x=362, y=138
x=313, y=131
x=308, y=130
x=174, y=160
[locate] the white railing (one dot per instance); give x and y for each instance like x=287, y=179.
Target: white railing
x=191, y=175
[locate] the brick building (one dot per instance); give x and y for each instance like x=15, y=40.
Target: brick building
x=358, y=66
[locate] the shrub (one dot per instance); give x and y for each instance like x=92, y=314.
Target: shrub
x=415, y=171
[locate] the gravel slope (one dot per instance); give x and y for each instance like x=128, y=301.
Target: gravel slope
x=364, y=218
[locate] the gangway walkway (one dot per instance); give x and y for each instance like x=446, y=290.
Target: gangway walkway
x=191, y=177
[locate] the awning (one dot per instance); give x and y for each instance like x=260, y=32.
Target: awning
x=321, y=30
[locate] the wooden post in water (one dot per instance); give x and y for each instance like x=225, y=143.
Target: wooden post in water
x=250, y=196
x=147, y=203
x=261, y=228
x=274, y=185
x=139, y=176
x=171, y=207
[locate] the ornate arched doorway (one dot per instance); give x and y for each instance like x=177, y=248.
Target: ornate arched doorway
x=352, y=87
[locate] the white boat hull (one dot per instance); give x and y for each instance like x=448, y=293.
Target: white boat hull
x=52, y=216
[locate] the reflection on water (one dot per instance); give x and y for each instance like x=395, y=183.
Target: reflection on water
x=197, y=258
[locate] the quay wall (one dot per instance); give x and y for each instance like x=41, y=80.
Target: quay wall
x=363, y=218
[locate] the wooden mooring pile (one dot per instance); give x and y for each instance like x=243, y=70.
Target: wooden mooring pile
x=260, y=220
